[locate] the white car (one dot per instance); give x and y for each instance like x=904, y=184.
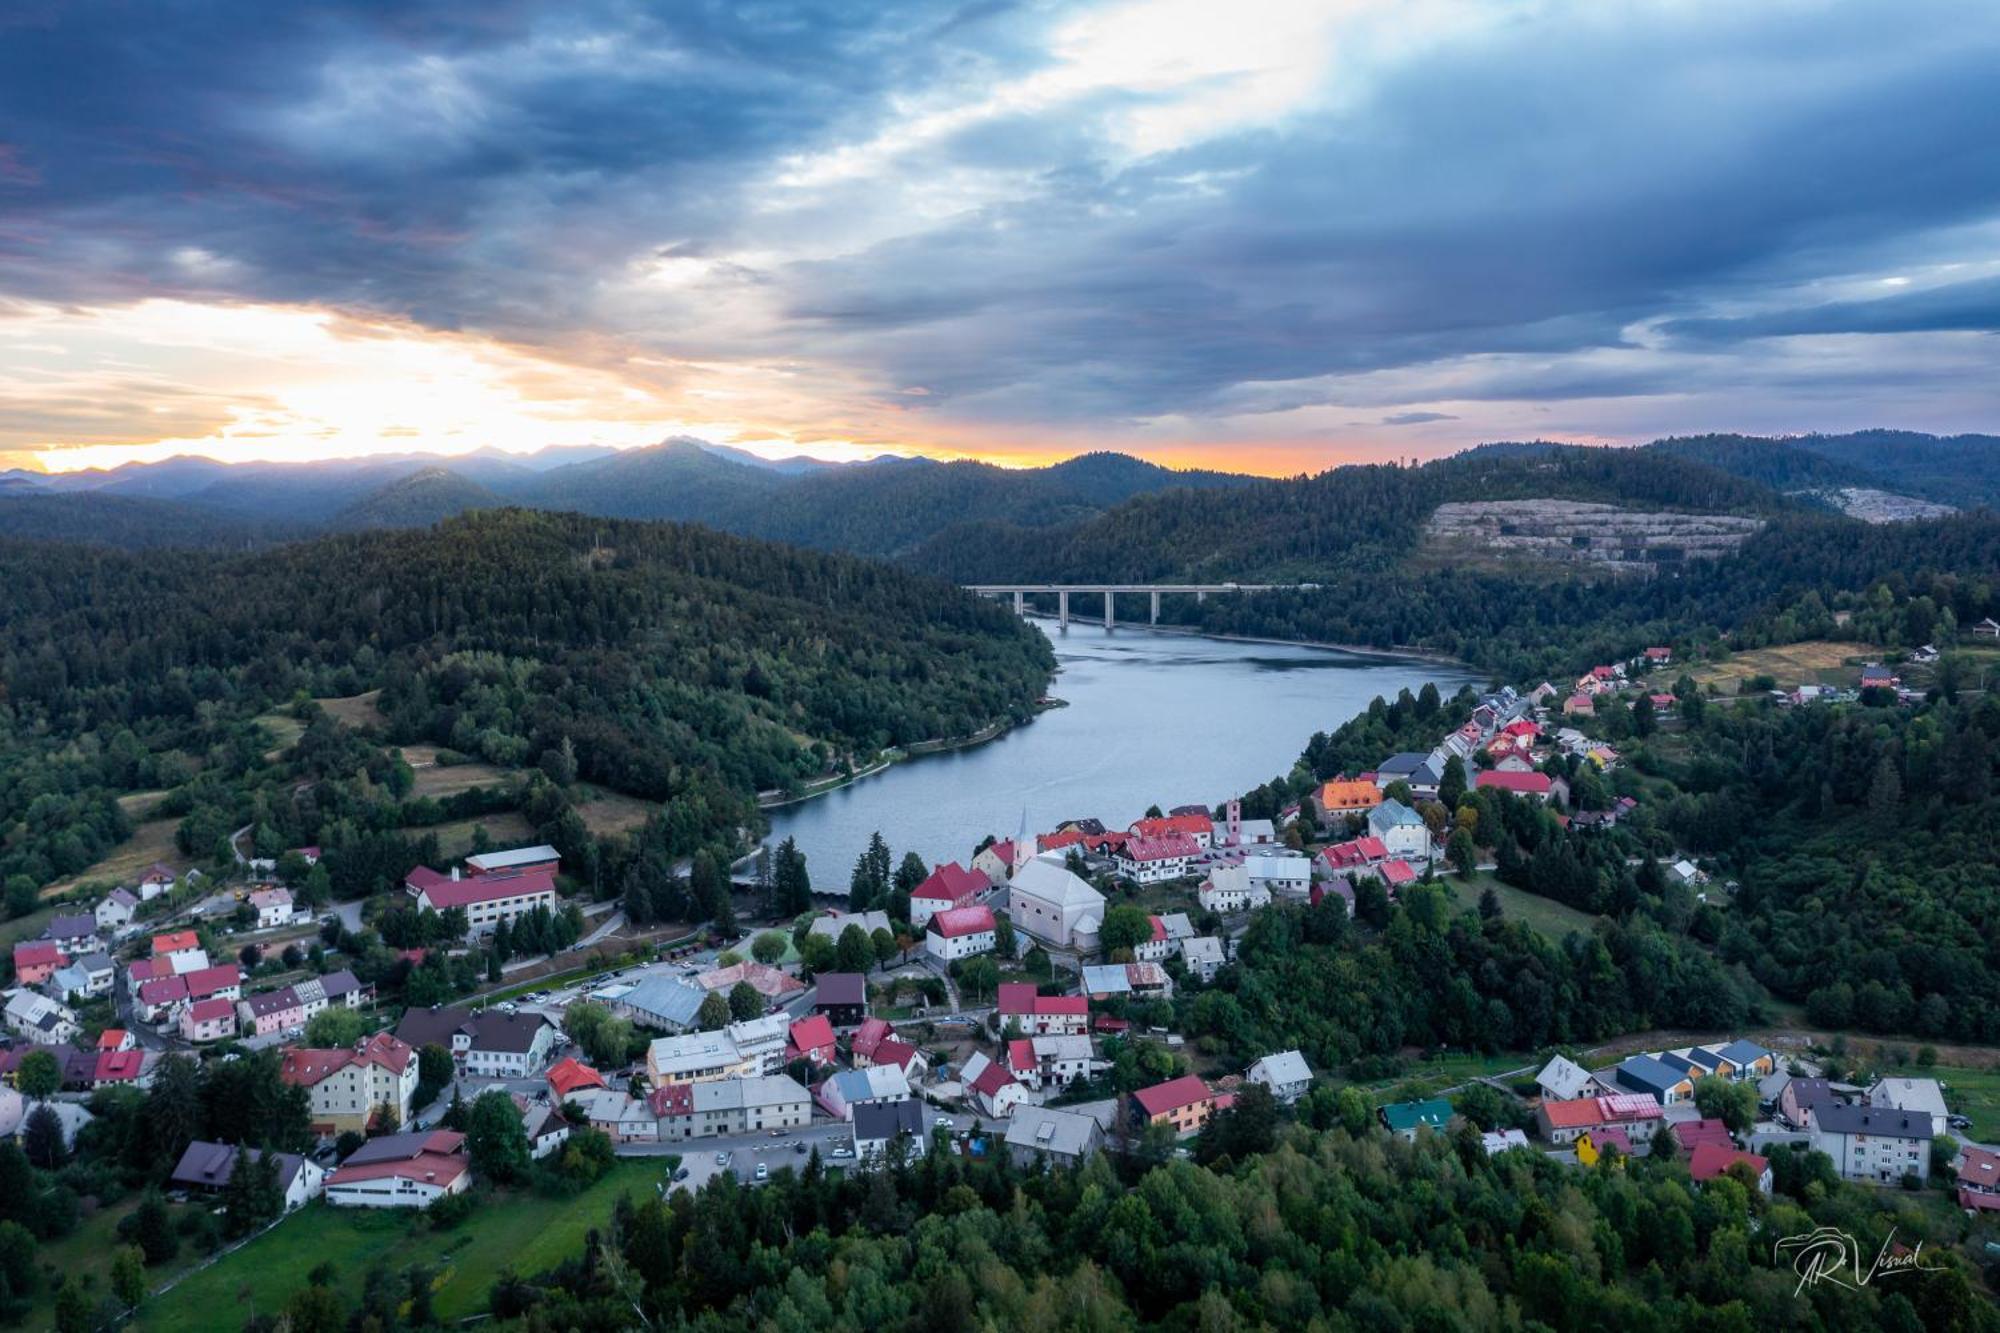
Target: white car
x=842, y=1152
x=763, y=1172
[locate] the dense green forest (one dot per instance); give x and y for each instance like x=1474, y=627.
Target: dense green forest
x=670, y=663
x=1321, y=1226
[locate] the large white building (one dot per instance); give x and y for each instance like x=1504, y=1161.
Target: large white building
x=741, y=1050
x=1288, y=877
x=1401, y=829
x=486, y=899
x=1229, y=888
x=1048, y=902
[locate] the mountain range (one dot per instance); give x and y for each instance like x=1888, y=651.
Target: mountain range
x=1106, y=512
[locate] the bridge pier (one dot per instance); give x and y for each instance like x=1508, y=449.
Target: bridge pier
x=1020, y=602
x=1110, y=601
x=1200, y=597
x=1156, y=608
x=1062, y=609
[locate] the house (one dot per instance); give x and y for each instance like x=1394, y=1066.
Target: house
x=222, y=982
x=540, y=859
x=1644, y=1074
x=1801, y=1096
x=486, y=1042
x=832, y=925
x=879, y=1126
x=569, y=1075
x=1183, y=1104
x=1396, y=874
x=486, y=900
x=991, y=1088
x=1877, y=676
x=1280, y=876
x=842, y=1092
x=1563, y=1079
x=950, y=885
x=1579, y=705
x=960, y=932
x=1404, y=1119
x=543, y=1124
x=35, y=961
x=158, y=1000
x=1051, y=1062
x=1101, y=981
x=1062, y=1138
x=1343, y=797
x=273, y=906
x=1709, y=1160
x=1204, y=957
x=1501, y=1140
x=1154, y=860
x=116, y=911
x=666, y=1003
x=1658, y=657
x=1593, y=1145
x=1023, y=1007
x=351, y=1089
x=1988, y=628
x=1195, y=824
x=1401, y=831
x=116, y=1039
x=208, y=1020
x=1920, y=1096
x=207, y=1167
x=1876, y=1144
x=1048, y=902
x=293, y=1006
x=616, y=1114
x=1636, y=1114
x=842, y=997
x=131, y=1069
x=1285, y=1073
x=85, y=978
x=1178, y=927
x=902, y=1055
x=811, y=1039
x=1690, y=1134
x=73, y=934
x=998, y=862
x=1978, y=1178
x=39, y=1019
x=1402, y=768
x=171, y=944
x=1356, y=854
x=402, y=1171
x=1155, y=948
x=741, y=1050
x=157, y=880
x=1228, y=890
x=1539, y=786
x=1339, y=887
x=864, y=1041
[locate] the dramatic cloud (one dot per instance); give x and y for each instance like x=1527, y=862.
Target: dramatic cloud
x=1266, y=233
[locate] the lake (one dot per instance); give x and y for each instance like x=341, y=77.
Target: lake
x=1153, y=719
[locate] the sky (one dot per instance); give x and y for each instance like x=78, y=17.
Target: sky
x=1265, y=235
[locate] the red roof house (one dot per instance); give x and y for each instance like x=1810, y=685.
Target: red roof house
x=811, y=1039
x=178, y=941
x=569, y=1075
x=951, y=884
x=1691, y=1134
x=1709, y=1160
x=959, y=921
x=1199, y=827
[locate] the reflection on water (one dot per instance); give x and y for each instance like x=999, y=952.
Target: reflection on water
x=1153, y=719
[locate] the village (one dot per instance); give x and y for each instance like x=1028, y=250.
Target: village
x=1017, y=1010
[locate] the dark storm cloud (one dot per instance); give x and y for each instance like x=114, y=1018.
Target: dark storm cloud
x=1536, y=188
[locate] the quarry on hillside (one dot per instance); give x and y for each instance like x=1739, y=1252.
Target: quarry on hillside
x=1572, y=532
x=1873, y=506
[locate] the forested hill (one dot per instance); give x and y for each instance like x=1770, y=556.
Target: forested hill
x=1351, y=519
x=682, y=665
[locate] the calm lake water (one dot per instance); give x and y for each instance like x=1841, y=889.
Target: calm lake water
x=1153, y=718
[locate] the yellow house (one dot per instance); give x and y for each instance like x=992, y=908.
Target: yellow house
x=1591, y=1146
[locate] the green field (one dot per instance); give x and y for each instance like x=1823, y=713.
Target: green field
x=522, y=1230
x=1969, y=1092
x=1549, y=917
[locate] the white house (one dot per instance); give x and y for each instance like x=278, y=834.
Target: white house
x=878, y=1125
x=157, y=880
x=1922, y=1096
x=949, y=886
x=850, y=1088
x=116, y=911
x=1401, y=830
x=1876, y=1144
x=995, y=1091
x=1285, y=1073
x=960, y=932
x=208, y=1166
x=1228, y=888
x=1155, y=860
x=1563, y=1079
x=402, y=1171
x=1204, y=957
x=1287, y=877
x=487, y=900
x=1048, y=902
x=274, y=907
x=40, y=1019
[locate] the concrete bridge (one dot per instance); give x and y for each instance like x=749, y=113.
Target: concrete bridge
x=1154, y=591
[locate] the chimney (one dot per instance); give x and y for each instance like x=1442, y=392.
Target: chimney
x=454, y=874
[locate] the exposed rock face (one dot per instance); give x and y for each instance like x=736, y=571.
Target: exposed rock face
x=1575, y=532
x=1873, y=506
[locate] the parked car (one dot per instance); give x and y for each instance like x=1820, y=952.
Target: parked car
x=842, y=1152
x=763, y=1172
x=722, y=1160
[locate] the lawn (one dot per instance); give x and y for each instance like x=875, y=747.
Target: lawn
x=612, y=812
x=1969, y=1092
x=1814, y=662
x=151, y=841
x=523, y=1230
x=504, y=828
x=441, y=780
x=88, y=1250
x=1545, y=915
x=356, y=710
